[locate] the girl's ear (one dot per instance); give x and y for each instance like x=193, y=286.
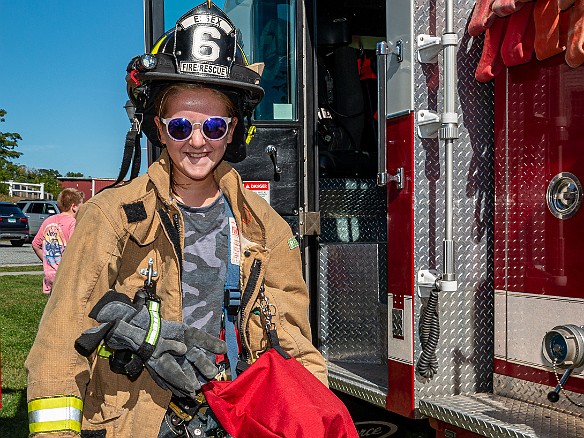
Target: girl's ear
x=159, y=128
x=232, y=126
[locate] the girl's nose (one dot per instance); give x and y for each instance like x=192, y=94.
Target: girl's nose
x=197, y=140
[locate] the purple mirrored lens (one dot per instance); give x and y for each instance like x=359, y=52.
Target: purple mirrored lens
x=214, y=128
x=180, y=129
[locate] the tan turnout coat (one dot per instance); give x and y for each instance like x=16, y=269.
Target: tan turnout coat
x=109, y=250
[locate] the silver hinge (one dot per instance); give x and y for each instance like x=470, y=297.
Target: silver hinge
x=309, y=223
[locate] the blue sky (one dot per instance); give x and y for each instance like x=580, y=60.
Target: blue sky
x=62, y=80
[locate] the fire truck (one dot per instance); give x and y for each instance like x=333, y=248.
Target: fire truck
x=428, y=156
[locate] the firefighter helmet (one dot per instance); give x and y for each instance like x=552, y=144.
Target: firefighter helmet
x=201, y=48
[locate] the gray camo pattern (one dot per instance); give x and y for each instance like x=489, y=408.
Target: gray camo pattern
x=205, y=265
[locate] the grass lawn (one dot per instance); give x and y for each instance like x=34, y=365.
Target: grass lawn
x=30, y=268
x=21, y=306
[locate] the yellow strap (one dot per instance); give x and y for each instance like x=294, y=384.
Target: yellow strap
x=179, y=412
x=103, y=351
x=55, y=426
x=58, y=401
x=250, y=133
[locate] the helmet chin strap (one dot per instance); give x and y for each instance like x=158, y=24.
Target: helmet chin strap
x=132, y=147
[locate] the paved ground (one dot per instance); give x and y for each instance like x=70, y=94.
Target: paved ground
x=14, y=256
x=22, y=273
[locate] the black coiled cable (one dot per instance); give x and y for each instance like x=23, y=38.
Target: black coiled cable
x=429, y=332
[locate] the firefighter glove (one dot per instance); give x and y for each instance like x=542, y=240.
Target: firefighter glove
x=164, y=359
x=199, y=343
x=113, y=306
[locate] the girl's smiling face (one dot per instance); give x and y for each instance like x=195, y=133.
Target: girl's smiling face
x=195, y=158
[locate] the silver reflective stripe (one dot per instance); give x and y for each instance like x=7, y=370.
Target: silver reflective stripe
x=55, y=414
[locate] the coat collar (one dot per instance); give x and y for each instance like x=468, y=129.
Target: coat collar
x=159, y=174
x=229, y=181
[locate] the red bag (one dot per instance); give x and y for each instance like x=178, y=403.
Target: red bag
x=277, y=397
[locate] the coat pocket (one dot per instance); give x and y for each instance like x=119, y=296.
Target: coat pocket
x=105, y=395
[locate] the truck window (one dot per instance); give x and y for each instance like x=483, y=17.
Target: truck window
x=267, y=34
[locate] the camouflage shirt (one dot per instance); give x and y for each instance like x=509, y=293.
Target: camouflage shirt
x=205, y=265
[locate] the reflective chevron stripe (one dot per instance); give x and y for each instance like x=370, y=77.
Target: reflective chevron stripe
x=62, y=413
x=154, y=328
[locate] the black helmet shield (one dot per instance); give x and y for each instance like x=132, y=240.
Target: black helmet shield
x=202, y=48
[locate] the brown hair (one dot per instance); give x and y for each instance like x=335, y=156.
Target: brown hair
x=68, y=198
x=174, y=89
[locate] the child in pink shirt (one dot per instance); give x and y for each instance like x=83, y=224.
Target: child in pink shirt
x=54, y=233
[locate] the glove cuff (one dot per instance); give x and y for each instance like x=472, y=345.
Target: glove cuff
x=109, y=297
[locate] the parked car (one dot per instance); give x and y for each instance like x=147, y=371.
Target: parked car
x=13, y=224
x=37, y=210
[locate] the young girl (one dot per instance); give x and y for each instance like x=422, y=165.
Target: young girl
x=191, y=218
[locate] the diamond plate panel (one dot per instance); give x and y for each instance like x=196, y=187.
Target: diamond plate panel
x=465, y=349
x=524, y=390
x=354, y=384
x=349, y=303
x=352, y=210
x=526, y=187
x=494, y=416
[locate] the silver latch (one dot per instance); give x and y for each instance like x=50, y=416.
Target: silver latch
x=398, y=178
x=384, y=178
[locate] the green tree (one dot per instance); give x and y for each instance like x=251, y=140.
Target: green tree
x=8, y=152
x=49, y=177
x=8, y=143
x=74, y=175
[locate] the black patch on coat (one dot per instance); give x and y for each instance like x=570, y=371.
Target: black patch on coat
x=93, y=433
x=135, y=212
x=173, y=233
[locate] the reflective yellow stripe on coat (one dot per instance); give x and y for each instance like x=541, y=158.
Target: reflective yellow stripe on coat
x=60, y=413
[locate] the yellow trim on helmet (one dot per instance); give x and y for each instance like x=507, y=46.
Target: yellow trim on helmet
x=245, y=61
x=157, y=45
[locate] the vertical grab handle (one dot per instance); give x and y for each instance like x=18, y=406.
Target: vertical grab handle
x=382, y=51
x=383, y=178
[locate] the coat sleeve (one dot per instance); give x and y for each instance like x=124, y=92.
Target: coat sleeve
x=57, y=374
x=285, y=283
